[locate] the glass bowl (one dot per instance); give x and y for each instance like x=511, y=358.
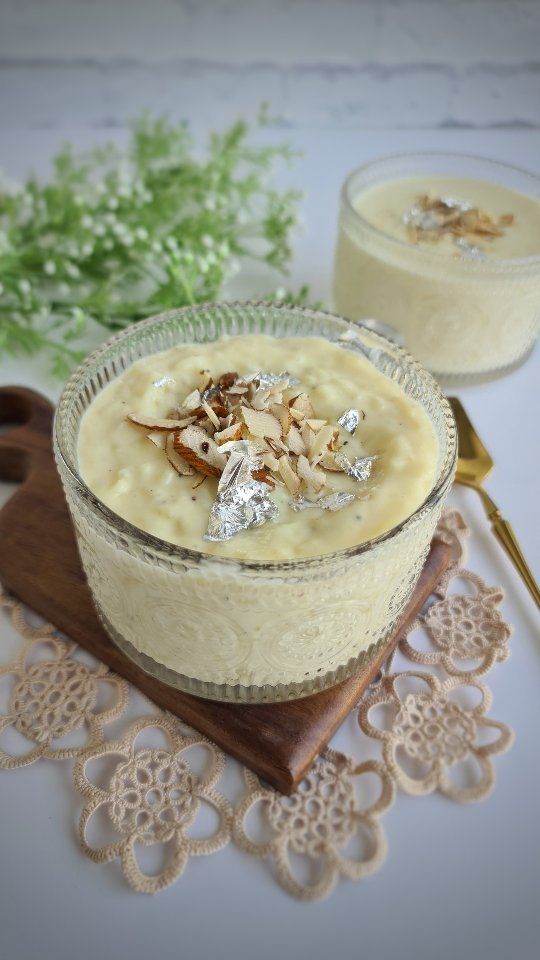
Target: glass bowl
x=464, y=318
x=233, y=630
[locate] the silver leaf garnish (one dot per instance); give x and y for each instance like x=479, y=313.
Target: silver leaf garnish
x=349, y=420
x=471, y=251
x=241, y=501
x=360, y=470
x=266, y=380
x=209, y=394
x=163, y=381
x=451, y=203
x=333, y=501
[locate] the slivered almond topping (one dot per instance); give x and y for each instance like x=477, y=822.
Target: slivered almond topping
x=234, y=432
x=283, y=414
x=155, y=423
x=295, y=441
x=310, y=475
x=211, y=415
x=176, y=460
x=264, y=476
x=291, y=479
x=261, y=424
x=204, y=380
x=200, y=450
x=303, y=404
x=320, y=442
x=192, y=401
x=158, y=438
x=288, y=444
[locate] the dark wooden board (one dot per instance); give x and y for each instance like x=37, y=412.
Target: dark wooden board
x=39, y=563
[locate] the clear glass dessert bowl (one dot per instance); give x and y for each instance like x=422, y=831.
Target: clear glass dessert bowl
x=236, y=630
x=466, y=317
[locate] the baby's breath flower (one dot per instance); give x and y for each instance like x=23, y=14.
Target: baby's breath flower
x=72, y=270
x=98, y=228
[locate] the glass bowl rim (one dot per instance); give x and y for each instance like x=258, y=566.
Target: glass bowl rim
x=495, y=265
x=172, y=551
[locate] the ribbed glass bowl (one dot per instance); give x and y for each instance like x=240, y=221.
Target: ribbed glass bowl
x=183, y=615
x=466, y=319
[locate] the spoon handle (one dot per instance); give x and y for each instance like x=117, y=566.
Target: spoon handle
x=507, y=538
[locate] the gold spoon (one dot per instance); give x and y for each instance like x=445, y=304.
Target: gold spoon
x=474, y=464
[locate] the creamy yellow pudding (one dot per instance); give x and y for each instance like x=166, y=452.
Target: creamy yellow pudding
x=131, y=474
x=265, y=455
x=453, y=262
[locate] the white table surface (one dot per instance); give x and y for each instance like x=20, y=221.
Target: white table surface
x=459, y=880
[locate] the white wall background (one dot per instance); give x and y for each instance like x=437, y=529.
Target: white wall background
x=320, y=63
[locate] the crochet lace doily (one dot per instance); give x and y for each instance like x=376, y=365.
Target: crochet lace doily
x=147, y=782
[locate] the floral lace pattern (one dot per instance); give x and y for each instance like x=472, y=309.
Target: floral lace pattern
x=153, y=797
x=433, y=737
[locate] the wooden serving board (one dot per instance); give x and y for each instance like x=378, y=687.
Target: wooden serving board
x=40, y=564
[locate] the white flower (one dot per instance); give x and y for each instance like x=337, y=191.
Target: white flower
x=87, y=249
x=202, y=263
x=207, y=240
x=108, y=244
x=157, y=247
x=87, y=222
x=49, y=267
x=72, y=270
x=210, y=202
x=25, y=287
x=112, y=203
x=99, y=230
x=171, y=243
x=141, y=233
x=63, y=290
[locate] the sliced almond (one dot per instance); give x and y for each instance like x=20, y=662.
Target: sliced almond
x=192, y=401
x=307, y=434
x=261, y=424
x=213, y=417
x=302, y=404
x=204, y=380
x=311, y=476
x=295, y=441
x=284, y=416
x=316, y=424
x=320, y=442
x=271, y=462
x=263, y=476
x=201, y=451
x=155, y=423
x=233, y=432
x=327, y=462
x=176, y=460
x=292, y=481
x=227, y=380
x=158, y=438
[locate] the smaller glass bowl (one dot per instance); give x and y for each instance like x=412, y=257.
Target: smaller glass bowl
x=463, y=318
x=234, y=630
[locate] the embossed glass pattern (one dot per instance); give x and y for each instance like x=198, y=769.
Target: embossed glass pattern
x=465, y=319
x=312, y=622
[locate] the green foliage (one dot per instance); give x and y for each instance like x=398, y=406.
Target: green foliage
x=119, y=235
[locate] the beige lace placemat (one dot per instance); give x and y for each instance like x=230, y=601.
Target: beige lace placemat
x=149, y=783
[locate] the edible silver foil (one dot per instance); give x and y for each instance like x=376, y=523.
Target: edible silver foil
x=349, y=420
x=360, y=470
x=471, y=251
x=266, y=380
x=333, y=501
x=241, y=501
